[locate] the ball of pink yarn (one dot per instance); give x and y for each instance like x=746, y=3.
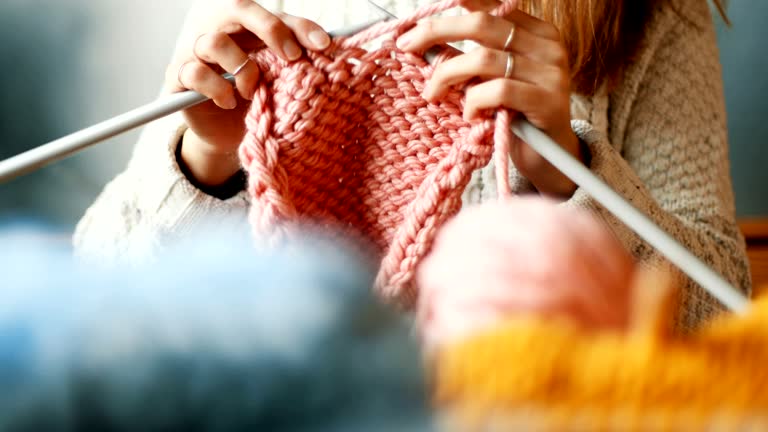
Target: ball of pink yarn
x=523, y=257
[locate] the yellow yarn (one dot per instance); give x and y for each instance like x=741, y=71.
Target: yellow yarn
x=553, y=375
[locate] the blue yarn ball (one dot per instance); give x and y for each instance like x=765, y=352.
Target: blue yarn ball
x=211, y=336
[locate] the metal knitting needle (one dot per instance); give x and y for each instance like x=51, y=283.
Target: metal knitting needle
x=61, y=148
x=620, y=207
x=631, y=216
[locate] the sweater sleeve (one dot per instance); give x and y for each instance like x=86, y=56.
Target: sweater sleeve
x=674, y=162
x=151, y=203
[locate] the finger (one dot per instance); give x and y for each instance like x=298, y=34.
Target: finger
x=488, y=63
x=479, y=5
x=522, y=19
x=487, y=30
x=515, y=95
x=268, y=27
x=480, y=27
x=484, y=29
x=308, y=33
x=198, y=76
x=219, y=48
x=533, y=25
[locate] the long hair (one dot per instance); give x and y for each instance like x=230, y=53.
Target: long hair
x=601, y=36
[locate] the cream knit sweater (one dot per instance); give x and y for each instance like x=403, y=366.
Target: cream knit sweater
x=659, y=139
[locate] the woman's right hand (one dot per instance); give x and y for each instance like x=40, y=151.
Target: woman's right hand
x=217, y=37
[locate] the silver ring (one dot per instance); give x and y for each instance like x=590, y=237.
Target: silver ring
x=194, y=48
x=511, y=36
x=178, y=74
x=510, y=66
x=242, y=66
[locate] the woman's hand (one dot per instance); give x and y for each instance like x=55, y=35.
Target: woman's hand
x=217, y=37
x=526, y=72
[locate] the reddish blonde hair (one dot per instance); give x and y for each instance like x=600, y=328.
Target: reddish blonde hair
x=600, y=35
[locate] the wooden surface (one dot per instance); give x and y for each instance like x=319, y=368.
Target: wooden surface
x=754, y=228
x=756, y=233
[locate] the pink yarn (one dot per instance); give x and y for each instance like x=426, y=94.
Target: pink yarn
x=527, y=256
x=344, y=138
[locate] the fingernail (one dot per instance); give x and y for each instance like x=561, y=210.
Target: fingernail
x=291, y=50
x=427, y=93
x=319, y=38
x=404, y=40
x=230, y=103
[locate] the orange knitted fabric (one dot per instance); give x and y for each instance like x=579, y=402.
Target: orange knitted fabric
x=545, y=375
x=343, y=138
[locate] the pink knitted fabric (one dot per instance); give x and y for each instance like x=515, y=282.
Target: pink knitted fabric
x=343, y=138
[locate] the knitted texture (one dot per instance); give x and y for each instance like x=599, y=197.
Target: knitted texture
x=659, y=139
x=343, y=139
x=566, y=378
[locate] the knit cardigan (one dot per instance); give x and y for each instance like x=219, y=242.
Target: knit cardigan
x=658, y=138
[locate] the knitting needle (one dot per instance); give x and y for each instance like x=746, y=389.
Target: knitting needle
x=61, y=148
x=631, y=216
x=620, y=207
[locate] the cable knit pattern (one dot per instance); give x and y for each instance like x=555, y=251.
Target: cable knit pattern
x=659, y=139
x=344, y=138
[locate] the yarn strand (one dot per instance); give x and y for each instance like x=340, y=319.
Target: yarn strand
x=397, y=26
x=343, y=139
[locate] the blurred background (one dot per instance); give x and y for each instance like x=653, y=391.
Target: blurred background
x=68, y=65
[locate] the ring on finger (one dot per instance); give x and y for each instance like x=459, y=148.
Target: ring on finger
x=245, y=63
x=510, y=66
x=194, y=46
x=181, y=70
x=510, y=38
x=241, y=67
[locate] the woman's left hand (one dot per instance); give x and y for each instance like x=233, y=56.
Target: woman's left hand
x=527, y=73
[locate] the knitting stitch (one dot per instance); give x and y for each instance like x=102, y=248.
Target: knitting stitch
x=566, y=378
x=344, y=138
x=659, y=139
